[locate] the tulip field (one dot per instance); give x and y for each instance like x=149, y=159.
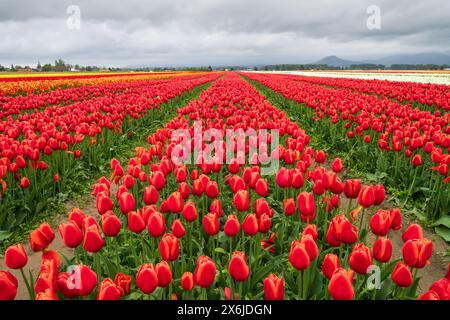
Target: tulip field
x=224, y=186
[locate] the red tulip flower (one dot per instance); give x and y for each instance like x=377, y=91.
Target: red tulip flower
x=241, y=200
x=401, y=275
x=169, y=247
x=147, y=279
x=16, y=257
x=205, y=272
x=238, y=267
x=273, y=287
x=187, y=281
x=232, y=226
x=71, y=234
x=340, y=286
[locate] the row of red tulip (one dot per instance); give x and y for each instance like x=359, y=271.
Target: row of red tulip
x=22, y=105
x=428, y=94
x=211, y=230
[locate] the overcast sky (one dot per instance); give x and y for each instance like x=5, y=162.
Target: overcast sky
x=216, y=32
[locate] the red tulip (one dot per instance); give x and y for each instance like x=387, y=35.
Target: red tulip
x=8, y=285
x=126, y=202
x=238, y=267
x=147, y=279
x=416, y=252
x=320, y=156
x=156, y=225
x=41, y=237
x=401, y=275
x=262, y=207
x=16, y=257
x=442, y=288
x=283, y=178
x=352, y=188
x=264, y=223
x=77, y=216
x=198, y=188
x=157, y=179
x=241, y=200
x=24, y=183
x=310, y=246
x=183, y=188
x=178, y=229
x=429, y=295
x=212, y=189
x=414, y=231
x=416, y=160
x=273, y=287
x=262, y=187
x=298, y=256
x=360, y=258
x=379, y=193
x=382, y=249
x=189, y=211
x=169, y=247
x=340, y=286
x=123, y=281
x=232, y=226
x=366, y=196
x=110, y=224
x=289, y=206
x=136, y=222
x=330, y=265
x=164, y=274
x=150, y=195
x=93, y=241
x=71, y=234
x=297, y=179
x=306, y=206
x=175, y=202
x=103, y=203
x=108, y=290
x=187, y=281
x=205, y=272
x=216, y=207
x=211, y=224
x=311, y=229
x=340, y=231
x=337, y=165
x=250, y=224
x=380, y=222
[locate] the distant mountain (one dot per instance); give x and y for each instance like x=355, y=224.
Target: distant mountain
x=418, y=58
x=336, y=61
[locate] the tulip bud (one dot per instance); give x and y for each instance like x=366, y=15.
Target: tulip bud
x=169, y=247
x=211, y=224
x=360, y=259
x=306, y=206
x=150, y=195
x=189, y=211
x=382, y=249
x=416, y=252
x=178, y=229
x=330, y=265
x=108, y=290
x=298, y=256
x=126, y=202
x=340, y=286
x=71, y=234
x=238, y=267
x=414, y=231
x=250, y=224
x=147, y=279
x=289, y=206
x=110, y=224
x=232, y=226
x=273, y=288
x=156, y=225
x=241, y=200
x=16, y=257
x=401, y=275
x=136, y=222
x=212, y=189
x=187, y=281
x=205, y=272
x=262, y=187
x=163, y=273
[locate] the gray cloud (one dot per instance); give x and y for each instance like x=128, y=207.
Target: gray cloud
x=201, y=32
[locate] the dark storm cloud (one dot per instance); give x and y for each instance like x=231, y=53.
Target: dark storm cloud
x=202, y=32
